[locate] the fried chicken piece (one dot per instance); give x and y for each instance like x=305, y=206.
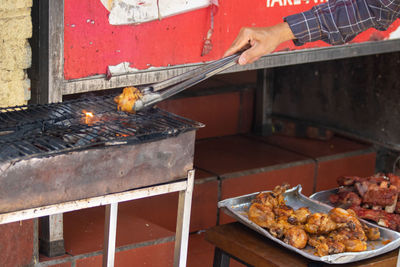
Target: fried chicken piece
x=262, y=215
x=283, y=211
x=345, y=234
x=349, y=218
x=320, y=223
x=279, y=229
x=340, y=215
x=352, y=236
x=325, y=246
x=335, y=232
x=299, y=216
x=313, y=240
x=274, y=198
x=355, y=245
x=296, y=237
x=372, y=233
x=335, y=247
x=127, y=99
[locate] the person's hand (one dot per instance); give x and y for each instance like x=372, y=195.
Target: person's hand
x=262, y=41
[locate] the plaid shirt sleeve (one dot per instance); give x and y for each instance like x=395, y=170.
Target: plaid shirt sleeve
x=339, y=21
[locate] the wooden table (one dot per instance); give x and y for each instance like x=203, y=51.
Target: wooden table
x=236, y=241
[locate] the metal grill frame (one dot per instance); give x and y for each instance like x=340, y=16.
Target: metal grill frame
x=43, y=130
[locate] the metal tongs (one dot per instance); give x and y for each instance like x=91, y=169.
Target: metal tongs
x=160, y=91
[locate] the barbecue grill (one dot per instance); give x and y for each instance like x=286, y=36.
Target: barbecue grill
x=83, y=153
x=41, y=130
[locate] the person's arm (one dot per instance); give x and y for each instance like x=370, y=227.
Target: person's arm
x=335, y=22
x=339, y=21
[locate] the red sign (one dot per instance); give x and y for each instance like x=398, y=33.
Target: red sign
x=91, y=43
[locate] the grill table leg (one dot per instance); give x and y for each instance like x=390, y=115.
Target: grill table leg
x=398, y=260
x=221, y=259
x=110, y=230
x=182, y=224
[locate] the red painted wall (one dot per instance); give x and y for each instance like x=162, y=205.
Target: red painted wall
x=91, y=43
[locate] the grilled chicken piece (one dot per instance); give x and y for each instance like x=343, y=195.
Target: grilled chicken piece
x=283, y=211
x=355, y=245
x=343, y=234
x=272, y=199
x=372, y=233
x=320, y=223
x=325, y=246
x=349, y=218
x=127, y=99
x=279, y=229
x=262, y=215
x=296, y=237
x=335, y=232
x=299, y=216
x=340, y=215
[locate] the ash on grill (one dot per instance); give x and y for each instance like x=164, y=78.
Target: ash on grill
x=38, y=130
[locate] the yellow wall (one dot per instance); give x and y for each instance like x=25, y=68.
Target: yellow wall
x=15, y=52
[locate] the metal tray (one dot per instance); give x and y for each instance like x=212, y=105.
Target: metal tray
x=323, y=196
x=237, y=207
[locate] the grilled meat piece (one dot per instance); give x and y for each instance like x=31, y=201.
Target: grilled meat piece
x=347, y=180
x=351, y=180
x=380, y=195
x=346, y=198
x=381, y=217
x=395, y=181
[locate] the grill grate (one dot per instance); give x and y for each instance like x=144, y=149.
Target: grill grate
x=40, y=130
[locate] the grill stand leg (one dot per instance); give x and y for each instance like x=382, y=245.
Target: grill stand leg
x=183, y=221
x=51, y=240
x=110, y=231
x=221, y=259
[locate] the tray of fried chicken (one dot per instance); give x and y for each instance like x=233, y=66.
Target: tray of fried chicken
x=310, y=228
x=373, y=198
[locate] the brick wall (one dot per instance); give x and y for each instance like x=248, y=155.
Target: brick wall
x=15, y=52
